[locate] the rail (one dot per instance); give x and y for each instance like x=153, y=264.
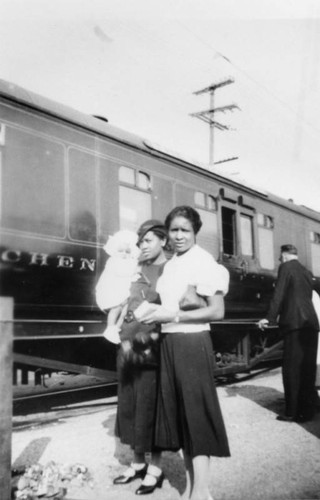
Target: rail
x=84, y=333
x=247, y=344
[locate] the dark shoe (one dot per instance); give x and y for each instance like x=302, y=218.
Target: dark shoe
x=145, y=490
x=124, y=479
x=285, y=418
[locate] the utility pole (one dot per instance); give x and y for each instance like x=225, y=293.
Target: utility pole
x=208, y=115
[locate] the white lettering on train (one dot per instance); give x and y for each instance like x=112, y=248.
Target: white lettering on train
x=10, y=256
x=40, y=259
x=65, y=261
x=87, y=264
x=44, y=259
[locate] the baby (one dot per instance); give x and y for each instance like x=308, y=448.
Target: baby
x=113, y=288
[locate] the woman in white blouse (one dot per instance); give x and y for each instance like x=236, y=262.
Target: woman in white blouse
x=189, y=415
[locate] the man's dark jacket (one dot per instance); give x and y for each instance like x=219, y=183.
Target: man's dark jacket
x=292, y=298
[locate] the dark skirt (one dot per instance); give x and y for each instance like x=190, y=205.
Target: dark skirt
x=136, y=409
x=188, y=413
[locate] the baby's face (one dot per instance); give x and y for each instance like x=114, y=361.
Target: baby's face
x=124, y=251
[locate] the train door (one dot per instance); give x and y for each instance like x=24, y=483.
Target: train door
x=238, y=252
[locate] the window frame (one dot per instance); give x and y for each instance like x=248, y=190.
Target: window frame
x=235, y=236
x=246, y=214
x=95, y=158
x=37, y=135
x=207, y=198
x=267, y=224
x=135, y=184
x=315, y=240
x=137, y=171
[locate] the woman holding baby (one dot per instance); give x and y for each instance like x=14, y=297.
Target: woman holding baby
x=182, y=408
x=138, y=365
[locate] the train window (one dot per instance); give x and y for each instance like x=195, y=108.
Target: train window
x=33, y=192
x=83, y=183
x=315, y=237
x=315, y=252
x=202, y=200
x=143, y=181
x=228, y=230
x=208, y=234
x=260, y=219
x=139, y=179
x=2, y=134
x=127, y=175
x=212, y=203
x=265, y=221
x=246, y=231
x=199, y=199
x=269, y=222
x=265, y=241
x=135, y=207
x=135, y=201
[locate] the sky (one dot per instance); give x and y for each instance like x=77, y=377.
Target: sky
x=138, y=63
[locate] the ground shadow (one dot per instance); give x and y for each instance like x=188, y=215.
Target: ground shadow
x=272, y=400
x=32, y=453
x=172, y=463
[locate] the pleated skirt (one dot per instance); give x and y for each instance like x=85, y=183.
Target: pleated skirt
x=188, y=409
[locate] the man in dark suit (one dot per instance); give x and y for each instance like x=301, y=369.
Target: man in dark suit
x=292, y=307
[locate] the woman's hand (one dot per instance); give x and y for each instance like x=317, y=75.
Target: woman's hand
x=212, y=312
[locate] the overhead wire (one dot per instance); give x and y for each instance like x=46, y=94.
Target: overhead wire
x=256, y=92
x=249, y=77
x=142, y=34
x=257, y=86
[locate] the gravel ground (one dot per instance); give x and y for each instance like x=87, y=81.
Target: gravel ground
x=270, y=460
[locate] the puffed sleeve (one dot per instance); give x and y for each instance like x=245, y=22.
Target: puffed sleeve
x=212, y=277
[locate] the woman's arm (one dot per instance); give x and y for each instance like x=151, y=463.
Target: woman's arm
x=113, y=315
x=212, y=312
x=116, y=314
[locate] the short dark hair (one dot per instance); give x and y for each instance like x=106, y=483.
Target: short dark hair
x=289, y=249
x=188, y=213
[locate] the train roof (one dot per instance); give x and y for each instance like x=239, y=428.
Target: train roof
x=15, y=93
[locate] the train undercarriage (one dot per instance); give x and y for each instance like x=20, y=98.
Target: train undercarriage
x=239, y=346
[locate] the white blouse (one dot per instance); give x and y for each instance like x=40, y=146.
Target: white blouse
x=196, y=267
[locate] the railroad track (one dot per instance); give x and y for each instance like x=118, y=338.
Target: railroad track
x=56, y=406
x=63, y=392
x=44, y=405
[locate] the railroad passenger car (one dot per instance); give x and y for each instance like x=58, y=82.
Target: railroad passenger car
x=68, y=180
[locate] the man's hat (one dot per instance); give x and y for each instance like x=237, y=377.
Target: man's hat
x=289, y=249
x=153, y=225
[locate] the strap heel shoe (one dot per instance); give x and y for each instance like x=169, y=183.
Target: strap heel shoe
x=147, y=489
x=130, y=475
x=285, y=418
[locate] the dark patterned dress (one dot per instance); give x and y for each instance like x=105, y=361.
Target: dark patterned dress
x=138, y=380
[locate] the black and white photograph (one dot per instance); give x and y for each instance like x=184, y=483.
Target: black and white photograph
x=160, y=249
